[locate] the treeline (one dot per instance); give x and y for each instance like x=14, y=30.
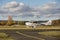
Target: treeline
x=12, y=22
x=56, y=22
x=6, y=23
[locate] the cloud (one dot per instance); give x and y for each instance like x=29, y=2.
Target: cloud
x=49, y=9
x=50, y=5
x=16, y=7
x=20, y=9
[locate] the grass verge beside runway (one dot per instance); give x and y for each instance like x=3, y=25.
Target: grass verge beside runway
x=4, y=36
x=51, y=33
x=23, y=27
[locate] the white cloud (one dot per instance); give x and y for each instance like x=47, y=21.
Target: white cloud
x=50, y=10
x=11, y=4
x=15, y=8
x=50, y=5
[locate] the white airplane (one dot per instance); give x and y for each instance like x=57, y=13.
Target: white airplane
x=33, y=25
x=47, y=23
x=28, y=24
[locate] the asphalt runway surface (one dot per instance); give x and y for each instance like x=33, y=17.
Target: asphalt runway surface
x=29, y=34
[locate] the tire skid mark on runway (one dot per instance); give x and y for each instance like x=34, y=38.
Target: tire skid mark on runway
x=28, y=32
x=29, y=36
x=39, y=35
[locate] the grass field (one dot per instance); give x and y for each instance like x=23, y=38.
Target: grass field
x=24, y=27
x=51, y=33
x=4, y=36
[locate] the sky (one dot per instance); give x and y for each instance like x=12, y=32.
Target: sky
x=29, y=2
x=30, y=9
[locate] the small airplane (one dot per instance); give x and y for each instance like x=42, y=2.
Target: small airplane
x=47, y=23
x=28, y=24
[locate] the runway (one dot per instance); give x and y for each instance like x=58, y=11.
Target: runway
x=28, y=35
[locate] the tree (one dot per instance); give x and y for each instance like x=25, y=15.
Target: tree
x=3, y=23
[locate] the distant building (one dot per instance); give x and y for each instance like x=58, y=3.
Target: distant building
x=9, y=20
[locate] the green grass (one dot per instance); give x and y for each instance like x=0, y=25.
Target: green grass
x=51, y=33
x=6, y=39
x=24, y=27
x=4, y=36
